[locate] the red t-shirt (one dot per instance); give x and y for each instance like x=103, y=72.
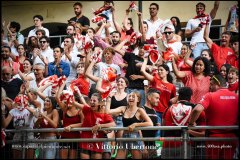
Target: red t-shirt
x=82, y=84
x=221, y=108
x=220, y=54
x=233, y=87
x=233, y=60
x=68, y=121
x=92, y=118
x=167, y=90
x=201, y=121
x=199, y=86
x=182, y=66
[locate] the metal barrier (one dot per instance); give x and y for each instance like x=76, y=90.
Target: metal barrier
x=185, y=138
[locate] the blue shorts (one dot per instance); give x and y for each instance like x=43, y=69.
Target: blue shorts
x=133, y=145
x=118, y=121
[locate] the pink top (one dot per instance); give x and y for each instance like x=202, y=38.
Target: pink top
x=199, y=86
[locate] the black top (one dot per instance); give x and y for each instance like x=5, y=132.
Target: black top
x=115, y=103
x=12, y=88
x=132, y=60
x=84, y=21
x=129, y=121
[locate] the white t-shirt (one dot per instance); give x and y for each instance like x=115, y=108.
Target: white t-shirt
x=152, y=27
x=48, y=54
x=73, y=66
x=22, y=119
x=33, y=32
x=102, y=65
x=192, y=24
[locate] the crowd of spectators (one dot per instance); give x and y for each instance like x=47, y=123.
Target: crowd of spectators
x=115, y=76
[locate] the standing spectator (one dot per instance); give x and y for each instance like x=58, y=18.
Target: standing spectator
x=32, y=46
x=39, y=70
x=221, y=52
x=174, y=46
x=233, y=59
x=232, y=23
x=152, y=100
x=70, y=57
x=217, y=114
x=27, y=74
x=40, y=33
x=80, y=18
x=197, y=79
x=11, y=85
x=177, y=115
x=153, y=22
x=58, y=67
x=23, y=118
x=72, y=118
x=48, y=119
x=177, y=25
x=133, y=73
x=93, y=117
x=15, y=37
x=7, y=59
x=133, y=116
x=161, y=81
x=195, y=27
x=224, y=70
x=21, y=55
x=45, y=53
x=38, y=21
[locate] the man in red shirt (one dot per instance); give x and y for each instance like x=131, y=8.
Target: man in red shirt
x=221, y=108
x=233, y=59
x=221, y=52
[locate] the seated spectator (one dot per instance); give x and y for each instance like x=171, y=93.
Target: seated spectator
x=32, y=46
x=40, y=33
x=177, y=25
x=224, y=70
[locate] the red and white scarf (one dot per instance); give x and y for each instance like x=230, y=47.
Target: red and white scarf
x=180, y=113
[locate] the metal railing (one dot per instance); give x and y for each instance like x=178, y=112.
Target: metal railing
x=185, y=40
x=185, y=138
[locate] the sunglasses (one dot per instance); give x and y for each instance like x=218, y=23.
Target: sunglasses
x=42, y=41
x=6, y=74
x=168, y=32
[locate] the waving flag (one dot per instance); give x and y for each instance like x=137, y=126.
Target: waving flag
x=21, y=101
x=133, y=6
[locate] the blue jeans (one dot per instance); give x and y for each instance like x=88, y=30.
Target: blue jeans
x=198, y=49
x=142, y=93
x=159, y=115
x=48, y=150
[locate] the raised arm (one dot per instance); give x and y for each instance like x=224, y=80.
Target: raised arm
x=89, y=73
x=179, y=74
x=144, y=72
x=116, y=25
x=214, y=10
x=186, y=58
x=125, y=21
x=41, y=89
x=206, y=36
x=75, y=103
x=118, y=48
x=59, y=102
